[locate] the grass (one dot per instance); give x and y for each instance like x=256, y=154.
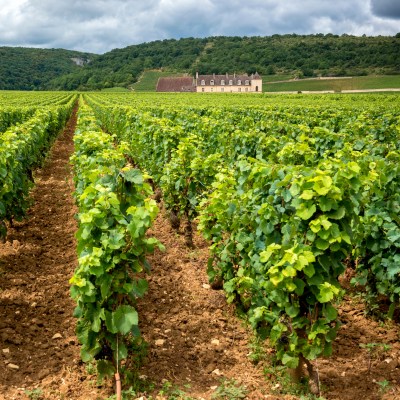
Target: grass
x=275, y=78
x=170, y=392
x=229, y=389
x=148, y=80
x=337, y=85
x=35, y=394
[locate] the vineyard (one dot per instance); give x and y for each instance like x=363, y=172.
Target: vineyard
x=289, y=204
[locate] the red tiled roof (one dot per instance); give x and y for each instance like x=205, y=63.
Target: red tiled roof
x=181, y=84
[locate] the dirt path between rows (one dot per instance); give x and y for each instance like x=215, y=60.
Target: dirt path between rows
x=195, y=339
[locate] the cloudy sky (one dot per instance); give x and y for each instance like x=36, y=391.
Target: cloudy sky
x=99, y=25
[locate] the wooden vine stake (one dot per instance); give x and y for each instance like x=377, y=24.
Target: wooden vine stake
x=118, y=386
x=117, y=377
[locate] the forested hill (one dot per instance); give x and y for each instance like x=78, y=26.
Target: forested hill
x=310, y=55
x=301, y=55
x=32, y=69
x=122, y=67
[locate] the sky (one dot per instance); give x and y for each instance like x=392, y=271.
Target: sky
x=99, y=26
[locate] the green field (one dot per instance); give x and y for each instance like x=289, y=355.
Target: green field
x=336, y=85
x=276, y=78
x=148, y=80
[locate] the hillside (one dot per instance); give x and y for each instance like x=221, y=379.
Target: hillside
x=32, y=69
x=293, y=55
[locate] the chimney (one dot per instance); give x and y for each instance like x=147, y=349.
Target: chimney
x=197, y=75
x=214, y=75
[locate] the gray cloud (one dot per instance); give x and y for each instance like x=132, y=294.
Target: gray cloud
x=386, y=8
x=101, y=25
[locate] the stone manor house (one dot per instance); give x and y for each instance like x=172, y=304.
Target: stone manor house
x=212, y=83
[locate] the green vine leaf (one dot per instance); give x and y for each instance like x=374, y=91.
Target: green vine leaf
x=306, y=211
x=125, y=318
x=327, y=292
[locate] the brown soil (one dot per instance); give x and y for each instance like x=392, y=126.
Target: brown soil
x=194, y=338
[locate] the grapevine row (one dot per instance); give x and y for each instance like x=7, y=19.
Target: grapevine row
x=22, y=149
x=115, y=212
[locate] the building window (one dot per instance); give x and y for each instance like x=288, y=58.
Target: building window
x=231, y=82
x=212, y=82
x=246, y=89
x=239, y=89
x=222, y=82
x=203, y=82
x=202, y=89
x=211, y=89
x=222, y=89
x=239, y=82
x=246, y=82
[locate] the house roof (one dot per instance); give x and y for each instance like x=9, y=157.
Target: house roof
x=180, y=84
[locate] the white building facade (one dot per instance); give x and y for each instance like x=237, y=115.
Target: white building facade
x=228, y=83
